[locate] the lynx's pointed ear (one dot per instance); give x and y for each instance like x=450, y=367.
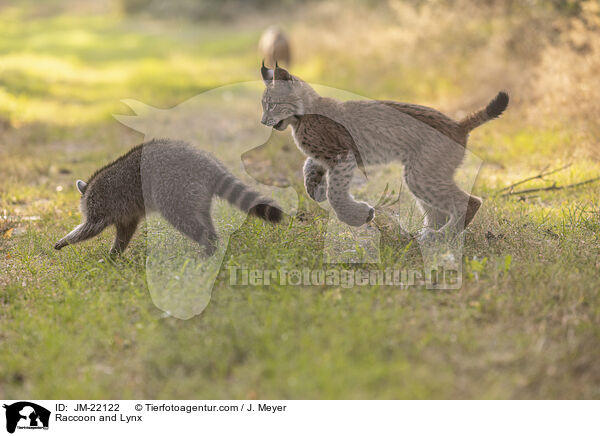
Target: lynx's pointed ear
x=81, y=186
x=267, y=74
x=282, y=74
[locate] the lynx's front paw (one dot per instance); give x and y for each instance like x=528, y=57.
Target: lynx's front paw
x=359, y=214
x=317, y=191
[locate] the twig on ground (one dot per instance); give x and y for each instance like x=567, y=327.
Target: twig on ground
x=553, y=187
x=541, y=176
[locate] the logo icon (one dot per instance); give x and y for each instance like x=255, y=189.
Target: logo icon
x=26, y=415
x=181, y=281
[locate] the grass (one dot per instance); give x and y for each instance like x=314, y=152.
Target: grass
x=74, y=324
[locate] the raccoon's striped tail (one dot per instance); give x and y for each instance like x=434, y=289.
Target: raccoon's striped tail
x=491, y=111
x=241, y=196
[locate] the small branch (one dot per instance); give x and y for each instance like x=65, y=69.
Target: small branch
x=541, y=175
x=552, y=188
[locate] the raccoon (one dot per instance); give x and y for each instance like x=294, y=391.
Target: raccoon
x=274, y=46
x=179, y=182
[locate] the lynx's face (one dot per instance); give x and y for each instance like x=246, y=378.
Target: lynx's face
x=279, y=108
x=284, y=98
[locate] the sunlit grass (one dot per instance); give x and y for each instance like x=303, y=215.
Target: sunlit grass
x=71, y=71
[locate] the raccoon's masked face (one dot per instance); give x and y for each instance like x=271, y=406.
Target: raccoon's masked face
x=284, y=98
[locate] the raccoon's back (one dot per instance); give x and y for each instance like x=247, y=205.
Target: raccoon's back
x=128, y=184
x=171, y=176
x=115, y=190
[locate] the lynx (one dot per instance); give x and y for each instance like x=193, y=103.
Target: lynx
x=178, y=181
x=339, y=136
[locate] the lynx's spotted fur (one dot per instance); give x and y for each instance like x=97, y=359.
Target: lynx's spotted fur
x=339, y=136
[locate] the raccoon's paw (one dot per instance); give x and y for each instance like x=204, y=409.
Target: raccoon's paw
x=210, y=243
x=114, y=253
x=210, y=249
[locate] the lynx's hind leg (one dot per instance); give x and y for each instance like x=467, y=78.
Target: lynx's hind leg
x=456, y=206
x=434, y=218
x=444, y=196
x=472, y=208
x=464, y=208
x=125, y=231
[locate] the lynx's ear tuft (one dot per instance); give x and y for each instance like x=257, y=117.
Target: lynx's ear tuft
x=81, y=186
x=282, y=74
x=267, y=74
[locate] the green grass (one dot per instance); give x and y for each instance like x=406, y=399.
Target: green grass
x=75, y=324
x=82, y=66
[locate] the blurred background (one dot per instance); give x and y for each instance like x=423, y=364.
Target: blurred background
x=525, y=323
x=68, y=63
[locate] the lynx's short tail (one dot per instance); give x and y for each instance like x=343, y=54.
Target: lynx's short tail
x=241, y=196
x=493, y=110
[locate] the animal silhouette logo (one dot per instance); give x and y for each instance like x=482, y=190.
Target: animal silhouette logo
x=26, y=415
x=224, y=122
